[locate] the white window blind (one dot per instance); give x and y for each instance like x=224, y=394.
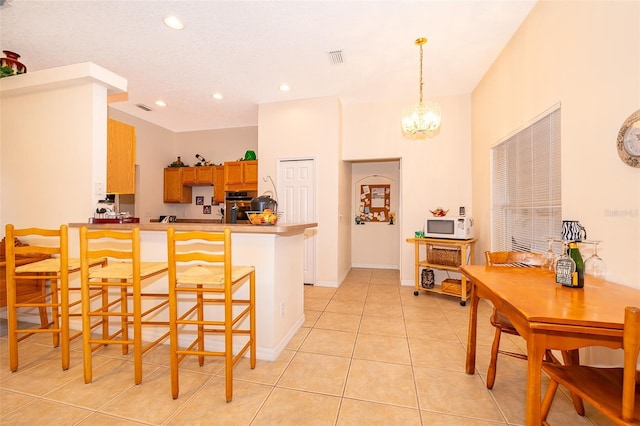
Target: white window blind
x=526, y=199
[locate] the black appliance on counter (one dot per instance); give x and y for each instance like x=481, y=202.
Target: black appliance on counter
x=237, y=204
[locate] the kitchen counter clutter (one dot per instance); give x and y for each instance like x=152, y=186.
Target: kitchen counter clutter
x=277, y=253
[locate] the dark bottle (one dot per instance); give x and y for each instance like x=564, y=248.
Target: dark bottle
x=574, y=253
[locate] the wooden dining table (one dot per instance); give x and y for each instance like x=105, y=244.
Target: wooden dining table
x=548, y=316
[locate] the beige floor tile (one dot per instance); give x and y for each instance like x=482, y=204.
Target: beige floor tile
x=381, y=309
x=329, y=342
x=354, y=412
x=203, y=409
x=351, y=294
x=212, y=365
x=311, y=304
x=12, y=401
x=317, y=292
x=381, y=382
x=338, y=321
x=298, y=338
x=41, y=378
x=388, y=326
x=425, y=313
x=310, y=317
x=291, y=407
x=111, y=378
x=457, y=314
x=151, y=401
x=324, y=374
x=266, y=372
x=43, y=412
x=432, y=418
x=431, y=330
x=345, y=307
x=106, y=420
x=437, y=354
x=453, y=392
x=375, y=347
x=509, y=393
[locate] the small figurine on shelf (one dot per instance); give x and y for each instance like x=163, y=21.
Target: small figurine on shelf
x=392, y=218
x=178, y=163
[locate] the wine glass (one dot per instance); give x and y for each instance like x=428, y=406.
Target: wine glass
x=549, y=257
x=594, y=265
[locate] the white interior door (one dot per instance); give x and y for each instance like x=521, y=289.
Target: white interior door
x=296, y=199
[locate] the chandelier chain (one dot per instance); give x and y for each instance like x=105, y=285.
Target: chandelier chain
x=420, y=73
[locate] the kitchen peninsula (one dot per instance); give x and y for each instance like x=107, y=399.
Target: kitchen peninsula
x=277, y=252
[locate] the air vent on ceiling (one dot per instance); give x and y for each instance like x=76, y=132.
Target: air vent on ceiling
x=335, y=57
x=144, y=107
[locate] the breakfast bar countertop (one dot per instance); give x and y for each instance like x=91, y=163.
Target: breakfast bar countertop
x=277, y=229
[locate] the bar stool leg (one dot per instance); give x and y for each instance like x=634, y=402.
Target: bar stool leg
x=12, y=324
x=64, y=319
x=137, y=332
x=86, y=331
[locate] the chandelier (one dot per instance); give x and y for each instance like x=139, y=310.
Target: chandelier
x=423, y=119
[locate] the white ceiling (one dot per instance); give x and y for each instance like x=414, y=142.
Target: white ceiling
x=246, y=49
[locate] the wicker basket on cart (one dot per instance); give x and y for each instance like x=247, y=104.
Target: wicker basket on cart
x=443, y=256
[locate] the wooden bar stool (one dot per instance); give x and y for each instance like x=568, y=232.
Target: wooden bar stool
x=200, y=269
x=52, y=246
x=125, y=276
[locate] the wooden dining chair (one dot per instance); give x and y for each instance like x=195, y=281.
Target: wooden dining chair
x=201, y=272
x=503, y=325
x=615, y=392
x=49, y=248
x=124, y=276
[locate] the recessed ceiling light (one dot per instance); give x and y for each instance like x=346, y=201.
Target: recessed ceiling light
x=285, y=87
x=217, y=96
x=161, y=103
x=173, y=23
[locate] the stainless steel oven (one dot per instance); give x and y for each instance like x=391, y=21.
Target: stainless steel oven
x=237, y=204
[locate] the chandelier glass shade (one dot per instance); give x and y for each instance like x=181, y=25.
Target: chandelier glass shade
x=424, y=118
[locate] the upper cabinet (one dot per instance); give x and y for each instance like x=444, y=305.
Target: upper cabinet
x=241, y=175
x=121, y=158
x=174, y=190
x=198, y=176
x=218, y=184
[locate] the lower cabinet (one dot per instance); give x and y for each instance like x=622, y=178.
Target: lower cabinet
x=174, y=190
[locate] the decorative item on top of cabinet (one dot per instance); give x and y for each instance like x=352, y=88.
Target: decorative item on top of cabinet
x=174, y=190
x=241, y=175
x=197, y=176
x=121, y=158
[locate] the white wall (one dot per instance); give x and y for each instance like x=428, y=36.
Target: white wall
x=434, y=172
x=375, y=244
x=585, y=56
x=50, y=141
x=309, y=129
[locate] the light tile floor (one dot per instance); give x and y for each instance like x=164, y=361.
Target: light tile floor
x=369, y=353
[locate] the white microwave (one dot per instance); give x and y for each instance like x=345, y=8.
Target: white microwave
x=456, y=228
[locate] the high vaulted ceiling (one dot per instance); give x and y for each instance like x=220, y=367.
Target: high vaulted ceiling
x=246, y=49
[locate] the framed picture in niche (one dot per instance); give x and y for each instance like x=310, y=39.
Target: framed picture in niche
x=206, y=209
x=199, y=201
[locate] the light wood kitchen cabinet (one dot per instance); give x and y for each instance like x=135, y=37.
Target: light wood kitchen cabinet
x=218, y=184
x=241, y=175
x=174, y=190
x=121, y=158
x=197, y=176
